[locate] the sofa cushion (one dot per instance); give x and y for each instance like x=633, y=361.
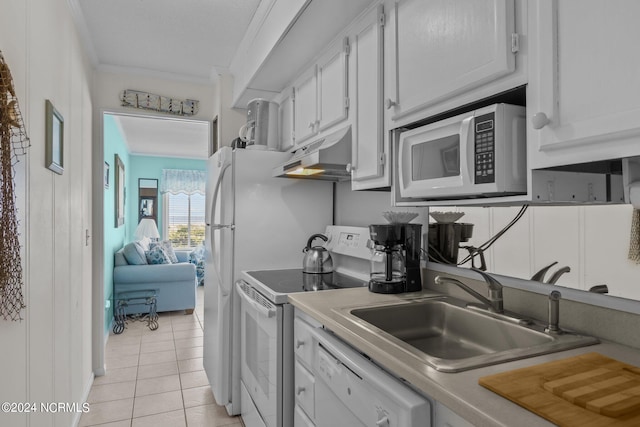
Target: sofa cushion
x=168, y=248
x=157, y=255
x=134, y=254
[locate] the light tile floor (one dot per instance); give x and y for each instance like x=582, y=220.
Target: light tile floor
x=156, y=378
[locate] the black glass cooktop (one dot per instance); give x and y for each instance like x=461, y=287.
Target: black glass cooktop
x=294, y=280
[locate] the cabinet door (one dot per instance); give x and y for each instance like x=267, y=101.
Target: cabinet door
x=369, y=167
x=305, y=106
x=444, y=48
x=332, y=87
x=583, y=102
x=285, y=119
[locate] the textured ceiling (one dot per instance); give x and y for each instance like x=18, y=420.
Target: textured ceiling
x=188, y=39
x=165, y=137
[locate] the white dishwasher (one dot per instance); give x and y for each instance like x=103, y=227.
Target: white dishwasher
x=350, y=390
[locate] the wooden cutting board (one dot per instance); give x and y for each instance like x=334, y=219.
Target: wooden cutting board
x=582, y=391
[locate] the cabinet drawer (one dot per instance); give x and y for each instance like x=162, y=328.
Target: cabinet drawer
x=303, y=341
x=300, y=419
x=304, y=389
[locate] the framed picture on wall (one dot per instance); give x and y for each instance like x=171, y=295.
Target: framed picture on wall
x=54, y=141
x=120, y=192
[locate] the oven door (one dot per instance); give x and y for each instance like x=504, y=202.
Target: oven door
x=261, y=353
x=436, y=160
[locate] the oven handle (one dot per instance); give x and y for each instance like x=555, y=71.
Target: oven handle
x=267, y=312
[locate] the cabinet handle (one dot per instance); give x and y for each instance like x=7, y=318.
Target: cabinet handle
x=311, y=125
x=540, y=120
x=383, y=422
x=299, y=343
x=388, y=103
x=300, y=390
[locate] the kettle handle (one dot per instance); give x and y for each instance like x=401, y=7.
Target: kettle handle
x=313, y=237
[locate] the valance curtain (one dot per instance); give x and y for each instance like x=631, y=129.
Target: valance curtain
x=176, y=181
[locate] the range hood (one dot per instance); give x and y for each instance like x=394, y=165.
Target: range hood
x=327, y=158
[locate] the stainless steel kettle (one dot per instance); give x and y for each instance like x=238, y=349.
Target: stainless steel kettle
x=316, y=259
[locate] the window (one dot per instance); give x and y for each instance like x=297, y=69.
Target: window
x=184, y=224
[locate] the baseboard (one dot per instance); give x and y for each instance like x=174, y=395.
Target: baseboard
x=85, y=396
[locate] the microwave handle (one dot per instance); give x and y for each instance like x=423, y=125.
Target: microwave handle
x=467, y=163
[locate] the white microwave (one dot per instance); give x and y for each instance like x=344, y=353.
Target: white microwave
x=477, y=154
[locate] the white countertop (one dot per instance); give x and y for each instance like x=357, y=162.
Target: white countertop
x=458, y=391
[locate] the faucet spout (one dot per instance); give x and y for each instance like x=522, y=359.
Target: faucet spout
x=494, y=302
x=554, y=278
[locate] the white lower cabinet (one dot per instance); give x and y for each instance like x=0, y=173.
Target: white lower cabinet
x=304, y=389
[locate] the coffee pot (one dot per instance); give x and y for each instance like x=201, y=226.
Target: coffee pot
x=316, y=258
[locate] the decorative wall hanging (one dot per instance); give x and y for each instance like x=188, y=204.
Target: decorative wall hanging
x=163, y=104
x=54, y=139
x=13, y=143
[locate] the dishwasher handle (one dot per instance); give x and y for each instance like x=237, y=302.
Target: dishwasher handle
x=255, y=299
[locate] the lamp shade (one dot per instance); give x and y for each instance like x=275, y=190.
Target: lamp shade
x=147, y=228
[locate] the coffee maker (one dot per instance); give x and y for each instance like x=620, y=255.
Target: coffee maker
x=395, y=264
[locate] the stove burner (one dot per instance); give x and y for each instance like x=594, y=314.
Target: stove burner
x=294, y=280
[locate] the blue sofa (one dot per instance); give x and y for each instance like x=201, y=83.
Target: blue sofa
x=175, y=284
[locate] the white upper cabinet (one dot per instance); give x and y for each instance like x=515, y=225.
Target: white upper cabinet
x=444, y=48
x=285, y=119
x=305, y=105
x=333, y=98
x=369, y=160
x=582, y=99
x=321, y=93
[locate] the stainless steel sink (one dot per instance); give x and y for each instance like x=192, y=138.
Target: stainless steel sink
x=449, y=337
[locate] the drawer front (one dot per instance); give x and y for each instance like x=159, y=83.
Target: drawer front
x=303, y=341
x=305, y=389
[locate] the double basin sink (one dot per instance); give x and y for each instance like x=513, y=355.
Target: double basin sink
x=445, y=334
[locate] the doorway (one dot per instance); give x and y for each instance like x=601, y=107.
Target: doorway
x=134, y=148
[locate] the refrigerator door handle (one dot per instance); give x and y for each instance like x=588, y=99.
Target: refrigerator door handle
x=221, y=226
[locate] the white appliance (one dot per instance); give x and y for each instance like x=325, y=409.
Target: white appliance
x=253, y=221
x=266, y=319
x=351, y=391
x=477, y=154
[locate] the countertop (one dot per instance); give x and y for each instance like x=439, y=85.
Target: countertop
x=458, y=391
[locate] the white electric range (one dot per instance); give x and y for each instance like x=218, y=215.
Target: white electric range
x=265, y=324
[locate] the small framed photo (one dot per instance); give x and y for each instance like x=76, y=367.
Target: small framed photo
x=106, y=175
x=54, y=141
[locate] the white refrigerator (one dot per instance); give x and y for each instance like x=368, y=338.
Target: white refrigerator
x=254, y=221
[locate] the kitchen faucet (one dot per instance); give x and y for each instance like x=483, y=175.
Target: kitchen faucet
x=494, y=302
x=557, y=274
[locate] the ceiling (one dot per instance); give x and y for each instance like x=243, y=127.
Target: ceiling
x=186, y=39
x=166, y=137
x=189, y=40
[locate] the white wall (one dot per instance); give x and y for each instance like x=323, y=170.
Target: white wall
x=47, y=356
x=361, y=208
x=592, y=240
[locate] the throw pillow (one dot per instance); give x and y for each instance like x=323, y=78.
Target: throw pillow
x=145, y=243
x=168, y=248
x=157, y=255
x=196, y=257
x=134, y=254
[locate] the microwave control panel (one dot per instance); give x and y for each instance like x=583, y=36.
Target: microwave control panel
x=484, y=139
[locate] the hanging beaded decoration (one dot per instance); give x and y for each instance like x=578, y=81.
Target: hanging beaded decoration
x=13, y=143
